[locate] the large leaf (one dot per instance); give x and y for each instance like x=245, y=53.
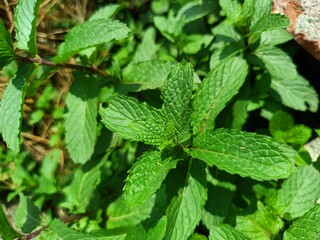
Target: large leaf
x=298, y=194
x=295, y=93
x=176, y=94
x=27, y=215
x=184, y=211
x=146, y=176
x=247, y=154
x=90, y=34
x=133, y=120
x=7, y=232
x=25, y=21
x=216, y=91
x=270, y=22
x=261, y=224
x=6, y=46
x=278, y=63
x=262, y=8
x=224, y=231
x=81, y=118
x=11, y=107
x=306, y=227
x=147, y=74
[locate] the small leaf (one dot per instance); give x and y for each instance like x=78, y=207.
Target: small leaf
x=275, y=61
x=247, y=154
x=121, y=216
x=62, y=232
x=270, y=22
x=7, y=232
x=25, y=21
x=232, y=8
x=195, y=9
x=90, y=34
x=224, y=231
x=27, y=215
x=299, y=193
x=146, y=75
x=260, y=224
x=133, y=120
x=146, y=176
x=6, y=46
x=295, y=93
x=184, y=211
x=216, y=91
x=11, y=107
x=105, y=12
x=176, y=94
x=262, y=8
x=306, y=227
x=81, y=118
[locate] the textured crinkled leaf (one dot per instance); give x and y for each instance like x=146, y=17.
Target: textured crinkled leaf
x=295, y=93
x=141, y=231
x=261, y=224
x=7, y=232
x=146, y=176
x=81, y=118
x=270, y=22
x=25, y=22
x=184, y=211
x=216, y=91
x=133, y=120
x=232, y=8
x=27, y=215
x=276, y=62
x=11, y=107
x=224, y=231
x=6, y=46
x=275, y=37
x=299, y=193
x=105, y=12
x=147, y=75
x=306, y=227
x=146, y=50
x=247, y=154
x=262, y=8
x=176, y=94
x=122, y=216
x=62, y=232
x=90, y=34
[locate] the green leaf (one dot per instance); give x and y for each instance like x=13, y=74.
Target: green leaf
x=133, y=120
x=295, y=93
x=6, y=46
x=25, y=21
x=121, y=216
x=216, y=91
x=232, y=8
x=298, y=194
x=306, y=227
x=176, y=94
x=62, y=232
x=105, y=12
x=146, y=176
x=259, y=225
x=184, y=211
x=81, y=118
x=276, y=62
x=270, y=22
x=155, y=232
x=247, y=154
x=146, y=75
x=7, y=232
x=27, y=215
x=274, y=37
x=224, y=231
x=90, y=34
x=262, y=8
x=195, y=9
x=193, y=43
x=170, y=27
x=83, y=186
x=11, y=107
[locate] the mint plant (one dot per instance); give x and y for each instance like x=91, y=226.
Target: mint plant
x=150, y=137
